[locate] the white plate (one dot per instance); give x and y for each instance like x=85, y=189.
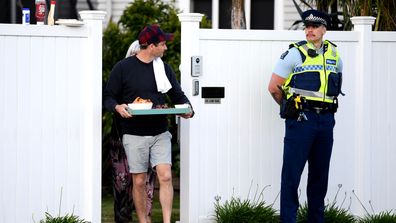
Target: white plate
x=140, y=106
x=70, y=22
x=182, y=106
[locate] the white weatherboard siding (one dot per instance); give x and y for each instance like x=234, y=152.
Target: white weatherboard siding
x=115, y=9
x=235, y=148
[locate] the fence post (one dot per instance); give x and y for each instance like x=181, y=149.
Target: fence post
x=92, y=119
x=363, y=83
x=188, y=158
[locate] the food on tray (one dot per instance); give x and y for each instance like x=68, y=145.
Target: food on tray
x=140, y=100
x=141, y=104
x=161, y=106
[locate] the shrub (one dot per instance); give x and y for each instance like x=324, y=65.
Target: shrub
x=62, y=219
x=332, y=214
x=240, y=211
x=382, y=217
x=237, y=210
x=68, y=218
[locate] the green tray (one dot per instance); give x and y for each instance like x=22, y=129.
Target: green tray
x=159, y=111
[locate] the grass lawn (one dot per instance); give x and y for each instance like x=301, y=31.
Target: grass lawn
x=108, y=214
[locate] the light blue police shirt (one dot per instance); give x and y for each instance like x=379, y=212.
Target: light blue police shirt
x=291, y=58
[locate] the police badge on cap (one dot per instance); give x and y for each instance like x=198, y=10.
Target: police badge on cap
x=315, y=17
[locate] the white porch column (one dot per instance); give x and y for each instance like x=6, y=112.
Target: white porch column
x=215, y=14
x=279, y=15
x=363, y=82
x=248, y=13
x=189, y=169
x=91, y=125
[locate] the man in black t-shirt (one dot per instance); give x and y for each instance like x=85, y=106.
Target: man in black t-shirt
x=146, y=138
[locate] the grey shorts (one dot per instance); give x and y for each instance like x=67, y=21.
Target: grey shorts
x=147, y=151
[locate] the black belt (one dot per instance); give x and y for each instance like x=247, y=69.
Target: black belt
x=318, y=110
x=317, y=106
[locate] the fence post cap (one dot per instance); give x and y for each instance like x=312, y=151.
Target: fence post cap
x=363, y=20
x=190, y=17
x=92, y=15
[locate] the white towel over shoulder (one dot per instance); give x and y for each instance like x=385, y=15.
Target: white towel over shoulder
x=163, y=84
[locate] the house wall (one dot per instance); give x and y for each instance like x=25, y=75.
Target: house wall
x=235, y=148
x=115, y=8
x=290, y=13
x=50, y=120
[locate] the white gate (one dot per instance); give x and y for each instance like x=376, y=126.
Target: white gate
x=230, y=146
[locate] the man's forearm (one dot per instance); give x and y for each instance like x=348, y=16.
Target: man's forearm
x=274, y=87
x=277, y=96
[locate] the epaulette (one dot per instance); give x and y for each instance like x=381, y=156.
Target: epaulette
x=331, y=43
x=297, y=44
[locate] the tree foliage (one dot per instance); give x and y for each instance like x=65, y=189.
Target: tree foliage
x=383, y=10
x=118, y=36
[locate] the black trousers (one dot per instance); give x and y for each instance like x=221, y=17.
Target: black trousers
x=306, y=141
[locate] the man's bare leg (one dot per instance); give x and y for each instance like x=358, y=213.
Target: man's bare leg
x=166, y=190
x=140, y=196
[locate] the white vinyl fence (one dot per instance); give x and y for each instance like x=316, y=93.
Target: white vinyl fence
x=50, y=120
x=235, y=148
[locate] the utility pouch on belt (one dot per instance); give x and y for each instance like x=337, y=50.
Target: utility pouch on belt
x=290, y=108
x=334, y=106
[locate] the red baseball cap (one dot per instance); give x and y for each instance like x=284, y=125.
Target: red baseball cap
x=153, y=34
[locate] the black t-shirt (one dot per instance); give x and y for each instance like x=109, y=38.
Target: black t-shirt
x=132, y=78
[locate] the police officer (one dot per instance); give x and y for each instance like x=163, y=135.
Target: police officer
x=305, y=83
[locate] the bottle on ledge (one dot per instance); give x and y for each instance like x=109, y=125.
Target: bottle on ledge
x=50, y=19
x=40, y=12
x=25, y=16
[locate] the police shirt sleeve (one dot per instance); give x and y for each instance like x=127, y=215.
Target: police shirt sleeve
x=287, y=61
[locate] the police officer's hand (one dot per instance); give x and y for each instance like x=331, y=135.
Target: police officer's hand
x=122, y=110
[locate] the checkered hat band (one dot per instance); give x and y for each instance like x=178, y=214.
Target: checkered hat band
x=312, y=18
x=313, y=68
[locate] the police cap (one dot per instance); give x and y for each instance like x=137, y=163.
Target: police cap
x=315, y=17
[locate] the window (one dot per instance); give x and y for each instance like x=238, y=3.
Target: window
x=225, y=14
x=204, y=7
x=261, y=12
